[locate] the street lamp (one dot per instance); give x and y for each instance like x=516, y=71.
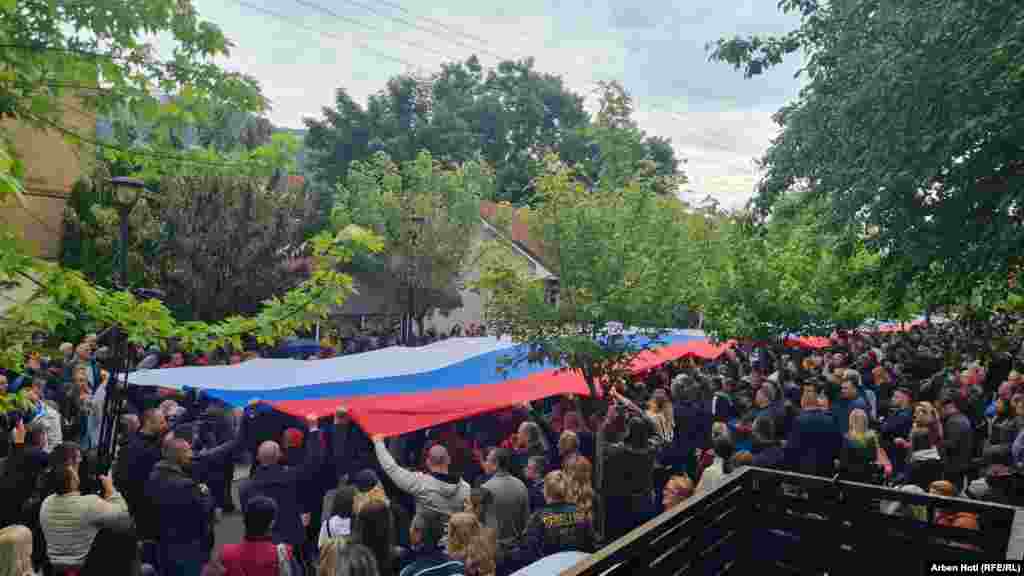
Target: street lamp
x=126, y=195
x=414, y=233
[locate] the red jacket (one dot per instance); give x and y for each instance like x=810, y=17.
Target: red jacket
x=250, y=558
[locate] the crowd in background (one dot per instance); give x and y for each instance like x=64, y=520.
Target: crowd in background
x=937, y=409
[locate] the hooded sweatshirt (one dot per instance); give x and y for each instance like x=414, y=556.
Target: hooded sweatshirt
x=441, y=493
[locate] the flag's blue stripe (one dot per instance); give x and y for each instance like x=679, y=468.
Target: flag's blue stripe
x=482, y=369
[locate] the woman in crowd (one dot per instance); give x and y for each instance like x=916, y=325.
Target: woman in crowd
x=557, y=527
x=349, y=560
x=677, y=489
x=581, y=486
x=1003, y=430
x=862, y=451
x=374, y=528
x=720, y=467
x=660, y=412
x=16, y=551
x=339, y=521
x=463, y=527
x=482, y=557
x=71, y=520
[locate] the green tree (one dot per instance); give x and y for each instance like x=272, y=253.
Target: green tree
x=433, y=252
x=619, y=256
x=790, y=275
x=511, y=115
x=910, y=124
x=619, y=153
x=94, y=52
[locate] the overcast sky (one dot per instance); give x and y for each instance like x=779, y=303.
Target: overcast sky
x=717, y=121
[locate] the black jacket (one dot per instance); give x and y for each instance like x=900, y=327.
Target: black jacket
x=627, y=471
x=897, y=425
x=181, y=508
x=285, y=485
x=21, y=479
x=134, y=466
x=956, y=444
x=814, y=443
x=556, y=528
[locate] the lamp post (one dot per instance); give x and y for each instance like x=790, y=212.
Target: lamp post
x=411, y=271
x=126, y=194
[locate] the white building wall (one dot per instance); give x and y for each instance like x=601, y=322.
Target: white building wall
x=472, y=310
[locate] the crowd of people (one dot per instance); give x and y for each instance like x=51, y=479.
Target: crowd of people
x=937, y=409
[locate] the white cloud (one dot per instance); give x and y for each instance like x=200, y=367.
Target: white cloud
x=720, y=148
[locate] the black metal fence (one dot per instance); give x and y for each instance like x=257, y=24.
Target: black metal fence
x=770, y=522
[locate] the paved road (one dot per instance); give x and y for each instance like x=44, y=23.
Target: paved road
x=230, y=529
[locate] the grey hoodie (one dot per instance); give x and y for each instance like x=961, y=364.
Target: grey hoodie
x=439, y=493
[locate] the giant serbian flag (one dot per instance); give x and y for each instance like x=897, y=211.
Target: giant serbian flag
x=397, y=390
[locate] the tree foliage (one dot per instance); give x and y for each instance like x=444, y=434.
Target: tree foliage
x=910, y=124
x=93, y=52
x=511, y=116
x=386, y=197
x=620, y=257
x=791, y=275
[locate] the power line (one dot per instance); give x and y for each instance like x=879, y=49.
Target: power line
x=373, y=10
x=283, y=18
x=437, y=23
x=361, y=24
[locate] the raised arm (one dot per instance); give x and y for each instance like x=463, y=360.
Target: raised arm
x=313, y=449
x=405, y=480
x=339, y=441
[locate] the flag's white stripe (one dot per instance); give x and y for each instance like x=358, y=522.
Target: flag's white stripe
x=269, y=374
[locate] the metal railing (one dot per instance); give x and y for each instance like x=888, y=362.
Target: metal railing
x=764, y=521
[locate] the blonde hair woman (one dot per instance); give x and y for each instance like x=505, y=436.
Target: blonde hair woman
x=482, y=557
x=660, y=411
x=463, y=527
x=16, y=551
x=862, y=449
x=926, y=417
x=581, y=486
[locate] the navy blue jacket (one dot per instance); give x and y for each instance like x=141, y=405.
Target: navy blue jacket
x=692, y=431
x=134, y=465
x=814, y=443
x=182, y=510
x=284, y=485
x=897, y=425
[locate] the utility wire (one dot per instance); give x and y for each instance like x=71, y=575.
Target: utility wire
x=300, y=25
x=373, y=10
x=437, y=23
x=361, y=24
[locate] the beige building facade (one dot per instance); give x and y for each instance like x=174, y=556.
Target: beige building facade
x=53, y=163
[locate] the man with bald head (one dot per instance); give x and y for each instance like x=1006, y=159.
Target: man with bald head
x=285, y=485
x=183, y=509
x=435, y=491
